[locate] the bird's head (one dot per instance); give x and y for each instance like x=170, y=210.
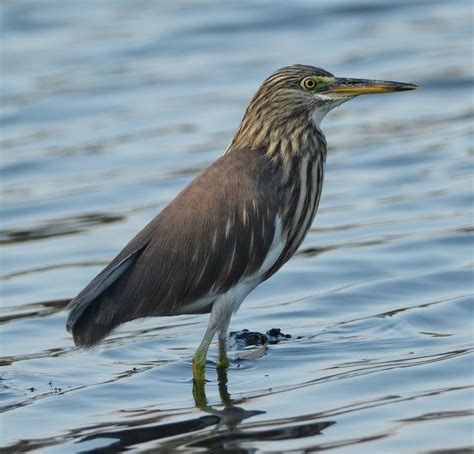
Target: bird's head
x=297, y=96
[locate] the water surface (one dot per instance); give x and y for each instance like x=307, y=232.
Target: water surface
x=110, y=108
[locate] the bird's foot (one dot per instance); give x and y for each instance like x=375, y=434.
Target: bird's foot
x=222, y=359
x=223, y=362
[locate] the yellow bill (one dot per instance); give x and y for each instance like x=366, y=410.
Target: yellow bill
x=354, y=87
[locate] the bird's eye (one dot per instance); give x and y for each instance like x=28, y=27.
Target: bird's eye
x=309, y=83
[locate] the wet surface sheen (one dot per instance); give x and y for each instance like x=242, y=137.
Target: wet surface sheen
x=110, y=108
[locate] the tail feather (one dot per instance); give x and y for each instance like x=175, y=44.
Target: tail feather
x=91, y=327
x=97, y=310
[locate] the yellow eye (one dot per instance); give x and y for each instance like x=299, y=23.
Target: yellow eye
x=309, y=83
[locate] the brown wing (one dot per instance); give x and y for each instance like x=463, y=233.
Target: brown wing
x=216, y=231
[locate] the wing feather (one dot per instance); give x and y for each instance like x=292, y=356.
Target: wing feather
x=217, y=231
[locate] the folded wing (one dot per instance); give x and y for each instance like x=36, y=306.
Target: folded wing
x=216, y=232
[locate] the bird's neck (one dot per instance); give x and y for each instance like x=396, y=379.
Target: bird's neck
x=282, y=138
x=296, y=149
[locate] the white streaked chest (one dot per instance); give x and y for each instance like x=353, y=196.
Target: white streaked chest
x=274, y=251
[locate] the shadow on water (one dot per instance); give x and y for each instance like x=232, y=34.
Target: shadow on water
x=223, y=432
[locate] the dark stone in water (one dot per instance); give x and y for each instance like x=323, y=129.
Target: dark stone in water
x=275, y=335
x=245, y=338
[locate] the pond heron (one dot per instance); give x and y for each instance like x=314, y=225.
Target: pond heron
x=235, y=224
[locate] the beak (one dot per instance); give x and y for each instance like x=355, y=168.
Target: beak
x=355, y=87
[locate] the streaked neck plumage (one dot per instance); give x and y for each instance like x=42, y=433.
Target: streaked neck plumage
x=290, y=136
x=284, y=130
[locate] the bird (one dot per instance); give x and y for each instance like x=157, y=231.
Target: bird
x=232, y=227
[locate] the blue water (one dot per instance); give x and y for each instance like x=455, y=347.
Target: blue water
x=110, y=108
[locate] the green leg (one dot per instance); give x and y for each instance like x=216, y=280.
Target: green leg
x=218, y=322
x=222, y=359
x=199, y=358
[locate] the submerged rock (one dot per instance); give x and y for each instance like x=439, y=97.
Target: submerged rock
x=239, y=340
x=275, y=335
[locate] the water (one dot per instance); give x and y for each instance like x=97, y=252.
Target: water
x=110, y=108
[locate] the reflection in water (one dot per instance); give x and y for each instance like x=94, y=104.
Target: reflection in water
x=230, y=415
x=39, y=309
x=59, y=227
x=224, y=433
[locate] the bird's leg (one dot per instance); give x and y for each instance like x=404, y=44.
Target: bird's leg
x=218, y=321
x=222, y=359
x=199, y=358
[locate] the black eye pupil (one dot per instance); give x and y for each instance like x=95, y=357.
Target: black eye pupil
x=310, y=83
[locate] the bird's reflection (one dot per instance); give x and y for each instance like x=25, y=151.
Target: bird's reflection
x=223, y=432
x=225, y=420
x=230, y=416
